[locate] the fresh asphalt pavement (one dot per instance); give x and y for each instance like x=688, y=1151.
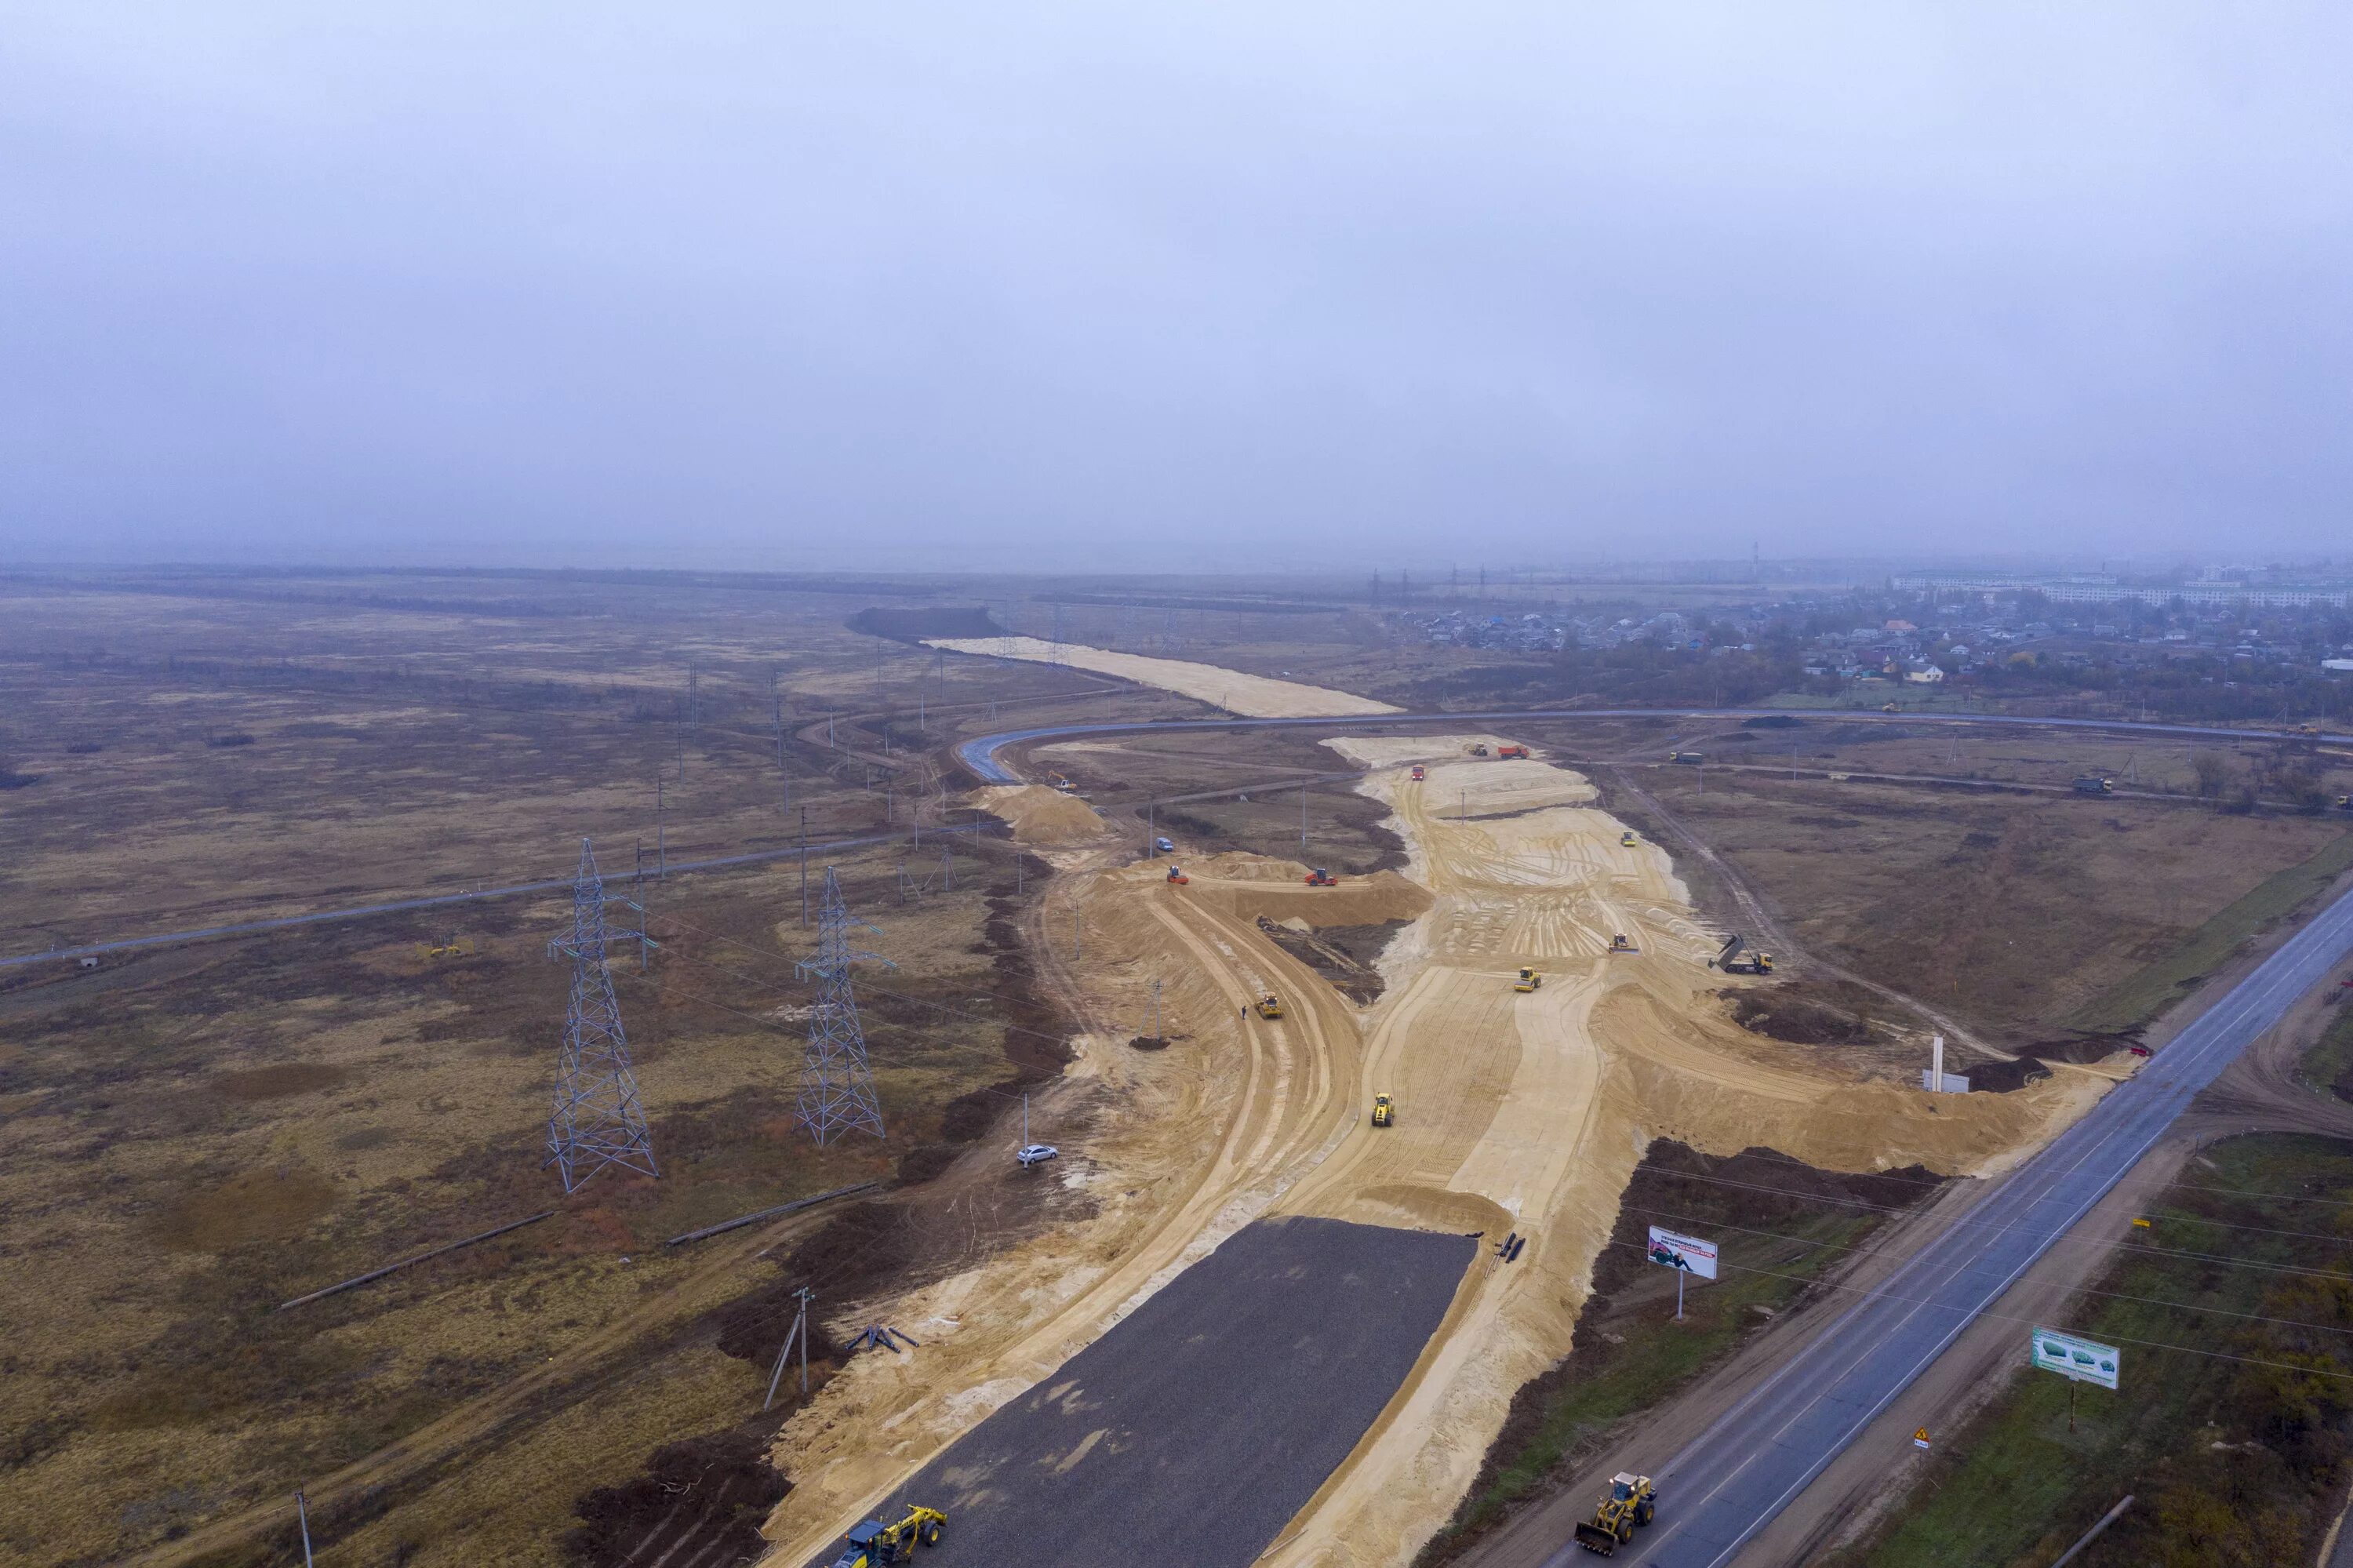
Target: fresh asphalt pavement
x=1193, y=1431
x=1736, y=1477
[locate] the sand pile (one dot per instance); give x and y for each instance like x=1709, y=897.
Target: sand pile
x=1249, y=886
x=1252, y=696
x=1039, y=815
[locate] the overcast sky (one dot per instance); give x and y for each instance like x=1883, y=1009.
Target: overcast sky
x=1209, y=285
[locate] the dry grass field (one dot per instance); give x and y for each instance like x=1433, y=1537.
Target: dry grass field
x=202, y=1131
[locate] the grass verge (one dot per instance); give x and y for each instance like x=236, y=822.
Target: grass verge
x=2144, y=992
x=2229, y=1430
x=2329, y=1066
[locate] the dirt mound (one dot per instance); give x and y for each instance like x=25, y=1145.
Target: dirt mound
x=2006, y=1077
x=1039, y=815
x=713, y=1491
x=1778, y=1013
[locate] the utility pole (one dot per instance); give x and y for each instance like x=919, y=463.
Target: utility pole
x=1077, y=936
x=799, y=1333
x=804, y=868
x=662, y=843
x=781, y=771
x=1155, y=1012
x=303, y=1513
x=1303, y=819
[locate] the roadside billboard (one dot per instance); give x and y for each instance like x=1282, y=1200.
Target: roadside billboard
x=2085, y=1360
x=1689, y=1253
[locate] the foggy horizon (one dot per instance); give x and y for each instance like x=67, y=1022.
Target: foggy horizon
x=1052, y=291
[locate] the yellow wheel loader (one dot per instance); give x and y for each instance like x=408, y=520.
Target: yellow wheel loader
x=875, y=1543
x=1384, y=1110
x=1631, y=1501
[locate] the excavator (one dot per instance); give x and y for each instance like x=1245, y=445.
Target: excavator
x=873, y=1543
x=1269, y=1006
x=1529, y=980
x=1733, y=961
x=1632, y=1500
x=1319, y=877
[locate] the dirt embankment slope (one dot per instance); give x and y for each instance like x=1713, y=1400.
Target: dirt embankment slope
x=1040, y=815
x=1252, y=696
x=1517, y=1111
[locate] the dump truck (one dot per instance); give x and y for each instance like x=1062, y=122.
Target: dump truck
x=1688, y=759
x=1733, y=961
x=1504, y=751
x=874, y=1543
x=1529, y=980
x=1319, y=877
x=1177, y=875
x=1630, y=1502
x=1269, y=1006
x=1384, y=1110
x=2094, y=784
x=1418, y=774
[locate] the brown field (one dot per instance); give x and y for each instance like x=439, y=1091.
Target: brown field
x=200, y=1132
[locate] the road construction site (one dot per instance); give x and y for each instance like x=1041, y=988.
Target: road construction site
x=1519, y=1116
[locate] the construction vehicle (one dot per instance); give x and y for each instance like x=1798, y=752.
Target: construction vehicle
x=1733, y=961
x=2344, y=803
x=1504, y=751
x=1627, y=839
x=1269, y=1006
x=2094, y=784
x=1891, y=708
x=1529, y=980
x=873, y=1543
x=1418, y=774
x=1319, y=877
x=1631, y=1501
x=1689, y=758
x=1177, y=875
x=1622, y=943
x=1384, y=1110
x=1061, y=782
x=1478, y=750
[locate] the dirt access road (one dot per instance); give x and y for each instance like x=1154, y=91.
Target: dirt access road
x=1517, y=1111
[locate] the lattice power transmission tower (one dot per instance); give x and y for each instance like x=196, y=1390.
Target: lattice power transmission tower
x=837, y=1092
x=598, y=1121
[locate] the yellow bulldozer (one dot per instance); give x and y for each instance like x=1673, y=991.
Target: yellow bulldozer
x=874, y=1543
x=1529, y=980
x=1631, y=1501
x=1269, y=1006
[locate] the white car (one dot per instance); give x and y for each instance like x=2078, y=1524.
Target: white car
x=1036, y=1154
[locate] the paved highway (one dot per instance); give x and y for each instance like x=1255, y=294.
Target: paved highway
x=1731, y=1481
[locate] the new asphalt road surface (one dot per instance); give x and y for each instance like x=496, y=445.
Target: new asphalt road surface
x=1731, y=1481
x=1189, y=1435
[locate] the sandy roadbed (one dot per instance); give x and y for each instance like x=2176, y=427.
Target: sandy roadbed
x=1517, y=1111
x=1252, y=696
